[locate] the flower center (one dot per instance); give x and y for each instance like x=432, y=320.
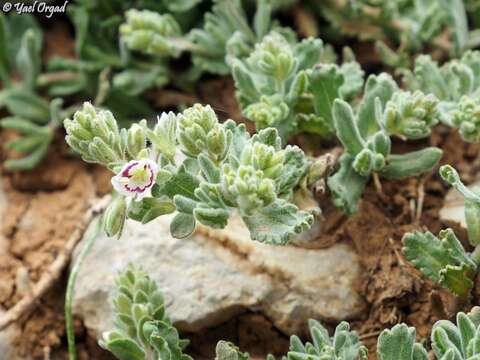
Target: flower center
x=140, y=174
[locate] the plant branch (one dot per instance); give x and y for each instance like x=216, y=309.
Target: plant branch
x=91, y=238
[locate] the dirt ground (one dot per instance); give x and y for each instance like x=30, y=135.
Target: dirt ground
x=44, y=206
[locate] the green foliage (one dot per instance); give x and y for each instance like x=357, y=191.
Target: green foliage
x=344, y=345
x=142, y=329
x=34, y=118
x=225, y=169
x=455, y=84
x=95, y=135
x=460, y=341
x=444, y=259
x=466, y=117
x=411, y=115
x=365, y=136
x=228, y=32
x=228, y=351
x=449, y=341
x=408, y=25
x=151, y=33
x=225, y=32
x=108, y=70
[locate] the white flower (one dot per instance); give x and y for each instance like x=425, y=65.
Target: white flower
x=136, y=179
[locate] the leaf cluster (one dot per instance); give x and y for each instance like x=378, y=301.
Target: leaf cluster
x=33, y=117
x=283, y=83
x=142, y=329
x=449, y=341
x=456, y=85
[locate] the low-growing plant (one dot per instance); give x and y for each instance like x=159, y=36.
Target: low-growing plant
x=283, y=84
x=384, y=111
x=223, y=169
x=443, y=259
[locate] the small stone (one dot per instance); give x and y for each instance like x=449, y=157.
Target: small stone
x=217, y=274
x=453, y=207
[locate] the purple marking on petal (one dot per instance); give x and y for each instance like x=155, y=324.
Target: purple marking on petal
x=126, y=171
x=147, y=186
x=137, y=189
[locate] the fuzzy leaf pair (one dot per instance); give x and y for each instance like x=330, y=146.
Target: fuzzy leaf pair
x=367, y=145
x=399, y=344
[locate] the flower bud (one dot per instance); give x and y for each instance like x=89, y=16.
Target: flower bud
x=274, y=57
x=264, y=158
x=136, y=140
x=267, y=112
x=163, y=135
x=449, y=174
x=114, y=216
x=101, y=152
x=194, y=125
x=467, y=118
x=411, y=115
x=364, y=162
x=218, y=143
x=247, y=188
x=95, y=135
x=151, y=33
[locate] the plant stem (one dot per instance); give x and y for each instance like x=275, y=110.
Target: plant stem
x=476, y=255
x=90, y=241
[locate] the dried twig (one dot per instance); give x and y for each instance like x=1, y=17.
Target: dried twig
x=27, y=303
x=378, y=184
x=370, y=335
x=397, y=254
x=420, y=201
